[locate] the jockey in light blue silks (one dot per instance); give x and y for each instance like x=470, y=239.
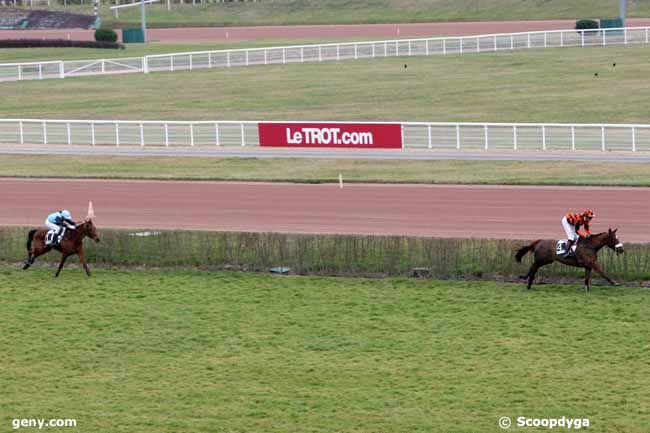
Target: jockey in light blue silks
x=59, y=221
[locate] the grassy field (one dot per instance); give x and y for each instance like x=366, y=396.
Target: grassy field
x=145, y=352
x=477, y=87
x=316, y=170
x=283, y=12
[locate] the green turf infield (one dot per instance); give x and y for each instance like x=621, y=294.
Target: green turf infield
x=220, y=352
x=318, y=170
x=545, y=85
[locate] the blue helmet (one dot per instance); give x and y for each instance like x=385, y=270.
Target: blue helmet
x=66, y=214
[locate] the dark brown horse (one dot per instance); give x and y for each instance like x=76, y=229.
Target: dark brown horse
x=72, y=243
x=586, y=255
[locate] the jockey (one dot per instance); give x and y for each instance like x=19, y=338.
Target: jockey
x=59, y=221
x=571, y=222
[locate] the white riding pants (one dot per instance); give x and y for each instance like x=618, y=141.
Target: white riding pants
x=52, y=226
x=569, y=229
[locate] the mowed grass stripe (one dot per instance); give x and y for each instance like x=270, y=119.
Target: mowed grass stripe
x=322, y=170
x=546, y=85
x=186, y=351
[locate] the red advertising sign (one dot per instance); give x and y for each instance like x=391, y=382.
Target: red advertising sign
x=362, y=135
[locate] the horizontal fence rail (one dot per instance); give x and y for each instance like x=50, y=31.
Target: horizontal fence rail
x=415, y=135
x=325, y=52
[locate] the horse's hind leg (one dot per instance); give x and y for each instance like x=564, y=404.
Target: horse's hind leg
x=63, y=259
x=29, y=261
x=533, y=271
x=31, y=258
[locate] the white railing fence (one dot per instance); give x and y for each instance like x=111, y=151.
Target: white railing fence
x=325, y=52
x=416, y=135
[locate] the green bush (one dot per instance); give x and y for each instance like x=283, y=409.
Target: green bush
x=323, y=254
x=105, y=35
x=586, y=24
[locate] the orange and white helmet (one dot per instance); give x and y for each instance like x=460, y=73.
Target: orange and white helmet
x=588, y=214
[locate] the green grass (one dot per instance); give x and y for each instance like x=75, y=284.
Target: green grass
x=552, y=85
x=283, y=12
x=186, y=351
x=317, y=170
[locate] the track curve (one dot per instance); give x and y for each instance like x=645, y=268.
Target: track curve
x=508, y=212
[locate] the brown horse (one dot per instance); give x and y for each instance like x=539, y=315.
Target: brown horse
x=72, y=243
x=585, y=257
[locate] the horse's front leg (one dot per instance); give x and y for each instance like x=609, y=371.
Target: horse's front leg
x=82, y=259
x=63, y=259
x=602, y=274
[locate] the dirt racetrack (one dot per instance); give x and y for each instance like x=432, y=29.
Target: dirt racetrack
x=421, y=210
x=318, y=32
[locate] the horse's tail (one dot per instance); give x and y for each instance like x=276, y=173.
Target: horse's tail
x=30, y=239
x=521, y=252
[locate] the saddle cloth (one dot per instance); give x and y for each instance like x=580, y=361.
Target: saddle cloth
x=49, y=237
x=560, y=247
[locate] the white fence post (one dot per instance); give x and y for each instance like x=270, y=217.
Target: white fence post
x=573, y=137
x=22, y=132
x=216, y=134
x=458, y=136
x=92, y=134
x=166, y=134
x=543, y=137
x=145, y=65
x=243, y=140
x=117, y=134
x=633, y=139
x=141, y=135
x=44, y=133
x=485, y=131
x=192, y=134
x=514, y=136
x=67, y=130
x=429, y=131
x=61, y=70
x=602, y=137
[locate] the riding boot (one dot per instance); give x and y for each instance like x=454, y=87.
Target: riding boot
x=568, y=248
x=60, y=236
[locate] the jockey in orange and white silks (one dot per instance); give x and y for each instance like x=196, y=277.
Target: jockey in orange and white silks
x=59, y=221
x=572, y=222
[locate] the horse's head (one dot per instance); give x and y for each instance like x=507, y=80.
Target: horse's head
x=613, y=242
x=89, y=229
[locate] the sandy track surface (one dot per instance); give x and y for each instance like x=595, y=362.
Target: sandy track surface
x=383, y=31
x=420, y=210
